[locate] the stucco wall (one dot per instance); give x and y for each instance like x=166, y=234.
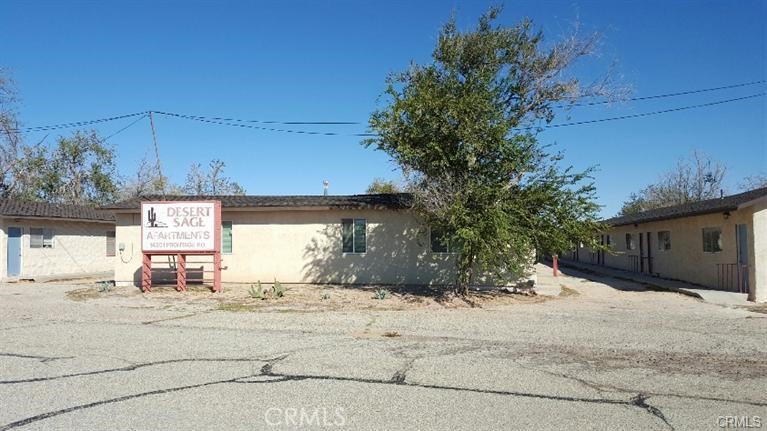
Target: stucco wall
x=302, y=246
x=759, y=252
x=78, y=248
x=686, y=260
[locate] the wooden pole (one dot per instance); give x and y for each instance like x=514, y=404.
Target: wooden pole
x=556, y=265
x=181, y=272
x=157, y=154
x=146, y=273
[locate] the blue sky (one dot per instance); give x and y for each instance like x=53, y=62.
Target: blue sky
x=327, y=61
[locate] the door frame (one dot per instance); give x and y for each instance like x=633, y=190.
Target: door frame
x=649, y=254
x=741, y=252
x=7, y=249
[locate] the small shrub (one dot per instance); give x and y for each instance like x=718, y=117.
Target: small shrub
x=105, y=286
x=381, y=294
x=255, y=291
x=279, y=289
x=325, y=296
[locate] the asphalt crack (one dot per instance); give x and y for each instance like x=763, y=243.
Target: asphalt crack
x=267, y=370
x=36, y=418
x=126, y=368
x=401, y=374
x=640, y=400
x=39, y=358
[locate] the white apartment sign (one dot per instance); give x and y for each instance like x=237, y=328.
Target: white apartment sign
x=178, y=227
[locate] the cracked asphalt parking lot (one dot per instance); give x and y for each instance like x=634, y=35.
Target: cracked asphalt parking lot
x=604, y=358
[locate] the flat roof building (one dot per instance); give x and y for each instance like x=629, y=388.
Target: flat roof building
x=716, y=243
x=42, y=240
x=356, y=239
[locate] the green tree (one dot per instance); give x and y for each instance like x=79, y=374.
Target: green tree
x=463, y=130
x=634, y=205
x=380, y=186
x=80, y=170
x=200, y=182
x=694, y=178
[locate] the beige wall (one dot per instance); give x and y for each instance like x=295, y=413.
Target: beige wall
x=295, y=246
x=79, y=248
x=758, y=251
x=686, y=260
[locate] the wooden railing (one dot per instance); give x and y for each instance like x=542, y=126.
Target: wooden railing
x=732, y=277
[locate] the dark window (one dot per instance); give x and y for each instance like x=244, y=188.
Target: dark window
x=354, y=235
x=712, y=239
x=226, y=237
x=40, y=238
x=664, y=240
x=110, y=243
x=630, y=242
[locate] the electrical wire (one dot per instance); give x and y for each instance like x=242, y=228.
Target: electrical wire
x=125, y=128
x=291, y=123
x=78, y=123
x=643, y=114
x=661, y=96
x=249, y=126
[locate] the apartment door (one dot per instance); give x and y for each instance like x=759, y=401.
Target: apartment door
x=649, y=253
x=14, y=251
x=602, y=252
x=741, y=241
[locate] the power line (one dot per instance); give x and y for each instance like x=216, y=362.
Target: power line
x=77, y=123
x=290, y=123
x=125, y=128
x=549, y=126
x=250, y=126
x=644, y=114
x=661, y=96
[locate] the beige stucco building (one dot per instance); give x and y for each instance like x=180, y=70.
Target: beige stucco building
x=361, y=239
x=717, y=243
x=42, y=241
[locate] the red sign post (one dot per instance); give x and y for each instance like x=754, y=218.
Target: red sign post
x=180, y=229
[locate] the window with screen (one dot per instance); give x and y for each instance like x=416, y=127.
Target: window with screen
x=354, y=235
x=226, y=237
x=712, y=239
x=40, y=238
x=110, y=243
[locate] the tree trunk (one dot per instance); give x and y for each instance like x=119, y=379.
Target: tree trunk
x=465, y=273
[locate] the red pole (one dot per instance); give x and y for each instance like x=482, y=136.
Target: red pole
x=181, y=272
x=217, y=250
x=556, y=265
x=146, y=273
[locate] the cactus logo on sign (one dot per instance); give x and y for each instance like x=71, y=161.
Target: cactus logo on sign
x=178, y=226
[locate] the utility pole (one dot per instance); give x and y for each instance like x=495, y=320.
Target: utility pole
x=157, y=155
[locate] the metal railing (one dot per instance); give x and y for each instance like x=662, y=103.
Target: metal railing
x=632, y=263
x=732, y=277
